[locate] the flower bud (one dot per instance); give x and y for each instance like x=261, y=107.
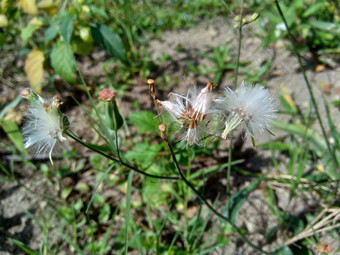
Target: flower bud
x=107, y=95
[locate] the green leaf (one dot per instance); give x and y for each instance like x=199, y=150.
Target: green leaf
x=233, y=207
x=114, y=120
x=10, y=106
x=327, y=26
x=104, y=214
x=144, y=154
x=119, y=121
x=127, y=210
x=63, y=62
x=66, y=26
x=288, y=103
x=98, y=199
x=24, y=247
x=96, y=189
x=336, y=103
x=312, y=9
x=103, y=244
x=65, y=192
x=80, y=47
x=2, y=39
x=98, y=11
x=27, y=32
x=145, y=121
x=13, y=132
x=283, y=250
x=271, y=234
x=110, y=41
x=332, y=125
x=50, y=33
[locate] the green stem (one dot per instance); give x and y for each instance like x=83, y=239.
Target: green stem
x=77, y=139
x=230, y=149
x=309, y=87
x=238, y=48
x=191, y=186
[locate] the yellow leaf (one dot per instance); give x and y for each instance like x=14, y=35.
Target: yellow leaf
x=48, y=6
x=36, y=21
x=28, y=6
x=288, y=98
x=34, y=69
x=4, y=4
x=3, y=20
x=45, y=4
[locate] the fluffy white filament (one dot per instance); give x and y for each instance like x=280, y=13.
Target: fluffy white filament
x=251, y=105
x=44, y=126
x=190, y=111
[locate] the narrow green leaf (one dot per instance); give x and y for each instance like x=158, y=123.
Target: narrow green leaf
x=312, y=9
x=233, y=207
x=110, y=41
x=331, y=124
x=112, y=116
x=119, y=121
x=103, y=243
x=24, y=247
x=127, y=211
x=63, y=62
x=10, y=106
x=4, y=169
x=327, y=26
x=96, y=189
x=13, y=132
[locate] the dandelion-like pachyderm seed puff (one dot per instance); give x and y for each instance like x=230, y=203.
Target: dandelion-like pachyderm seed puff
x=251, y=107
x=191, y=111
x=45, y=124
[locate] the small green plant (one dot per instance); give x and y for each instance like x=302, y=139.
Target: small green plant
x=315, y=25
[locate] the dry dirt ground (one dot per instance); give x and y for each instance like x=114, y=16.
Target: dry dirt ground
x=254, y=215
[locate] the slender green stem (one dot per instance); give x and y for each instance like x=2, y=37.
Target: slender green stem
x=238, y=47
x=191, y=186
x=230, y=149
x=77, y=139
x=309, y=87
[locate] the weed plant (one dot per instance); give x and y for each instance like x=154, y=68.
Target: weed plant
x=146, y=182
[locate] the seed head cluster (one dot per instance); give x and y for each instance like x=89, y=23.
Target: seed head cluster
x=45, y=124
x=251, y=107
x=190, y=111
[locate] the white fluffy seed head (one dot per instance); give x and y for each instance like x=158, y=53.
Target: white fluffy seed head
x=190, y=110
x=44, y=126
x=251, y=105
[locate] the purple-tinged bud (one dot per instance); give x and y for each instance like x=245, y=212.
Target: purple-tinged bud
x=107, y=95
